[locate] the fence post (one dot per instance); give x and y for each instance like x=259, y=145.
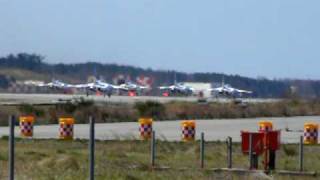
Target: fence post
x=202, y=151
x=229, y=143
x=153, y=148
x=301, y=154
x=11, y=147
x=250, y=152
x=91, y=147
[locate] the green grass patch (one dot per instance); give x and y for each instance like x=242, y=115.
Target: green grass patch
x=53, y=159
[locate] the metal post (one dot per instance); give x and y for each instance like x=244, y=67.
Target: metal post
x=153, y=148
x=301, y=154
x=92, y=147
x=266, y=150
x=202, y=151
x=255, y=159
x=11, y=147
x=250, y=152
x=272, y=160
x=229, y=143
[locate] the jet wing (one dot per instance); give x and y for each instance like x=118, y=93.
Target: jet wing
x=50, y=84
x=215, y=89
x=115, y=87
x=82, y=86
x=143, y=87
x=123, y=87
x=243, y=91
x=105, y=85
x=44, y=85
x=69, y=86
x=191, y=89
x=165, y=88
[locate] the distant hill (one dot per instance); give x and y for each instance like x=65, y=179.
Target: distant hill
x=25, y=66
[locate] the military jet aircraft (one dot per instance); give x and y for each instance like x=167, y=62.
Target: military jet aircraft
x=227, y=90
x=56, y=84
x=98, y=86
x=178, y=89
x=132, y=88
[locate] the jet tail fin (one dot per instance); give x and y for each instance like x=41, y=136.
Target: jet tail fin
x=222, y=82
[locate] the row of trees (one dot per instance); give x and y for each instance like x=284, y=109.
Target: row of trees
x=262, y=87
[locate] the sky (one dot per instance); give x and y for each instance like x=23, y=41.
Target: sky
x=254, y=38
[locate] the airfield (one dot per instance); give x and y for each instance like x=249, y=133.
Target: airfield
x=13, y=99
x=215, y=130
x=125, y=151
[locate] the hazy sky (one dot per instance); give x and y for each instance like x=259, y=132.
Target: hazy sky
x=272, y=38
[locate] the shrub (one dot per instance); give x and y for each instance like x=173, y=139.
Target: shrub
x=68, y=107
x=150, y=109
x=31, y=110
x=289, y=150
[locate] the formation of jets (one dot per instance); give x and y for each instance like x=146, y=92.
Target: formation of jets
x=133, y=89
x=181, y=89
x=96, y=86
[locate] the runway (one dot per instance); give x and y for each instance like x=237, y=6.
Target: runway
x=215, y=130
x=12, y=99
x=168, y=130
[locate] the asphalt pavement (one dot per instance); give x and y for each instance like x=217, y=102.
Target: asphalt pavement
x=12, y=99
x=166, y=130
x=171, y=130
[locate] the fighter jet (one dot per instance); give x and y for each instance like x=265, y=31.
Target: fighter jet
x=178, y=89
x=98, y=86
x=227, y=90
x=105, y=88
x=88, y=87
x=129, y=86
x=57, y=84
x=132, y=88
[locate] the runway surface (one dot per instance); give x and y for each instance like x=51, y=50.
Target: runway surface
x=11, y=99
x=170, y=130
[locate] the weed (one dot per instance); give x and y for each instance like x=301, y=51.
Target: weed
x=289, y=150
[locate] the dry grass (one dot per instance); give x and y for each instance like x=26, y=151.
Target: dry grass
x=54, y=159
x=182, y=110
x=112, y=112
